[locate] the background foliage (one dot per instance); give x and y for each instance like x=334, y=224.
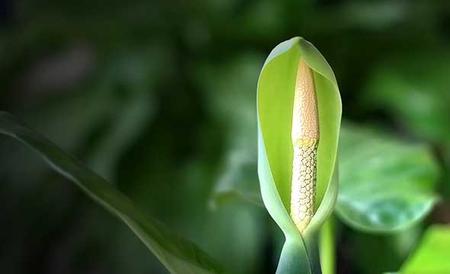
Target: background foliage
x=159, y=98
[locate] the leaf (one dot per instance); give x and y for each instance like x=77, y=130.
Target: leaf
x=415, y=93
x=133, y=116
x=386, y=184
x=274, y=103
x=176, y=254
x=432, y=254
x=392, y=249
x=229, y=90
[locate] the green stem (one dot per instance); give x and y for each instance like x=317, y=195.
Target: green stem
x=327, y=247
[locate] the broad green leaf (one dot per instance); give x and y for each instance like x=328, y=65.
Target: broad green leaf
x=274, y=107
x=432, y=254
x=385, y=184
x=176, y=254
x=415, y=94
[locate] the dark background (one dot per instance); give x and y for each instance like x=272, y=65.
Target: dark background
x=157, y=96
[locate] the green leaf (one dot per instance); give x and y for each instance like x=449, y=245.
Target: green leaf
x=432, y=254
x=392, y=249
x=413, y=89
x=230, y=92
x=176, y=254
x=385, y=184
x=416, y=96
x=275, y=103
x=128, y=123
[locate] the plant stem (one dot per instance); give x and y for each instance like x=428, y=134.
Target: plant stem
x=327, y=247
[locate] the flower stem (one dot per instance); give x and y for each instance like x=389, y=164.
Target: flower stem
x=327, y=247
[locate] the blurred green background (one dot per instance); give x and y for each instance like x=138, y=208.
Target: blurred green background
x=159, y=98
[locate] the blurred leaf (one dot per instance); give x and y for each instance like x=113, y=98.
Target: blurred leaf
x=386, y=184
x=177, y=254
x=237, y=182
x=370, y=15
x=391, y=249
x=100, y=132
x=130, y=121
x=229, y=89
x=229, y=92
x=413, y=88
x=236, y=235
x=64, y=123
x=431, y=256
x=275, y=100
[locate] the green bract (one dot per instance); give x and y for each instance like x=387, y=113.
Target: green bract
x=275, y=152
